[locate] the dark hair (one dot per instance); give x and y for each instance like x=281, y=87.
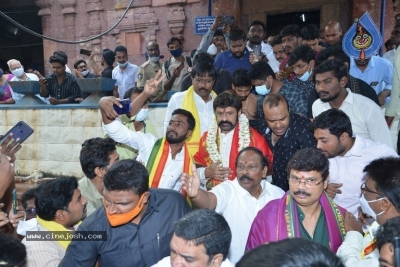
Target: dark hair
x=61, y=54
x=202, y=68
x=109, y=56
x=120, y=48
x=57, y=59
x=218, y=32
x=258, y=22
x=290, y=30
x=388, y=43
x=193, y=52
x=205, y=227
x=273, y=100
x=263, y=160
x=202, y=57
x=387, y=232
x=28, y=195
x=309, y=159
x=133, y=90
x=54, y=195
x=236, y=35
x=291, y=252
x=95, y=153
x=335, y=120
x=309, y=32
x=79, y=62
x=302, y=52
x=12, y=252
x=335, y=51
x=240, y=77
x=336, y=66
x=260, y=71
x=172, y=40
x=225, y=100
x=276, y=41
x=190, y=119
x=125, y=175
x=385, y=172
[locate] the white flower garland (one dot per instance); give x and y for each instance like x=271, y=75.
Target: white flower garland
x=211, y=142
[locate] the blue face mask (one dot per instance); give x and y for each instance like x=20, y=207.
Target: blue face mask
x=176, y=52
x=263, y=90
x=142, y=114
x=123, y=65
x=306, y=75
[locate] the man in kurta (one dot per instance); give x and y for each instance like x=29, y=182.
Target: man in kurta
x=305, y=211
x=220, y=145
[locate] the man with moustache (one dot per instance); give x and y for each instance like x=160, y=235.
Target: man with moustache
x=238, y=56
x=365, y=116
x=149, y=69
x=333, y=33
x=198, y=100
x=125, y=73
x=305, y=211
x=348, y=155
x=289, y=36
x=220, y=145
x=214, y=40
x=238, y=200
x=59, y=207
x=278, y=50
x=166, y=158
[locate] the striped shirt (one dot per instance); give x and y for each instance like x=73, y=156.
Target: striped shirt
x=69, y=88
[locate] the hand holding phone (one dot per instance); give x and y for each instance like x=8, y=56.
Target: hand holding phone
x=20, y=131
x=85, y=52
x=126, y=107
x=229, y=20
x=14, y=201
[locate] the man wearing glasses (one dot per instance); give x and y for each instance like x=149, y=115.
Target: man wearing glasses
x=238, y=200
x=379, y=199
x=305, y=211
x=348, y=155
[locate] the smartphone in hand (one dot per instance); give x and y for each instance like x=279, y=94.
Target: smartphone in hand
x=14, y=201
x=21, y=130
x=85, y=52
x=126, y=106
x=228, y=20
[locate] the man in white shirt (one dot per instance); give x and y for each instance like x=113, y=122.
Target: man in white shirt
x=168, y=154
x=201, y=238
x=125, y=73
x=238, y=200
x=17, y=70
x=348, y=155
x=256, y=36
x=198, y=100
x=366, y=117
x=379, y=200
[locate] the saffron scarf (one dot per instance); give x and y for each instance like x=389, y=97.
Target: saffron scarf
x=158, y=158
x=190, y=105
x=52, y=226
x=290, y=228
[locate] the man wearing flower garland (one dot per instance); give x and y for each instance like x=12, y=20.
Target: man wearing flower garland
x=305, y=211
x=166, y=158
x=229, y=134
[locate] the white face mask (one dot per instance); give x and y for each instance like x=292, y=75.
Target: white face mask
x=29, y=225
x=18, y=72
x=212, y=50
x=142, y=114
x=154, y=59
x=84, y=73
x=366, y=208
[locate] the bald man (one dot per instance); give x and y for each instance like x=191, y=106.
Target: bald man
x=333, y=33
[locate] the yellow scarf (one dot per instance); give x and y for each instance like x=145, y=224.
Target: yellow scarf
x=190, y=105
x=52, y=226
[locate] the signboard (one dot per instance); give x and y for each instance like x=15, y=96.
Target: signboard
x=202, y=24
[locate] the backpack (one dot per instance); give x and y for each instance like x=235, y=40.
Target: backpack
x=168, y=62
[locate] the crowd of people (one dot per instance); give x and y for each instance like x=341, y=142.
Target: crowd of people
x=275, y=158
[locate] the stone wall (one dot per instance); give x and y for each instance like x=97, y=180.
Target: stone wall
x=55, y=145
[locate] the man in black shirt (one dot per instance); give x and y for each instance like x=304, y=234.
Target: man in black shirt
x=286, y=134
x=61, y=87
x=138, y=221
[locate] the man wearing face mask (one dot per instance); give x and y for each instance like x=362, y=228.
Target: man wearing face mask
x=28, y=202
x=81, y=70
x=379, y=199
x=302, y=61
x=125, y=73
x=138, y=220
x=348, y=155
x=176, y=67
x=17, y=70
x=136, y=123
x=149, y=69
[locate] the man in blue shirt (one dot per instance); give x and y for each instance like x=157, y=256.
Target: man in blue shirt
x=237, y=56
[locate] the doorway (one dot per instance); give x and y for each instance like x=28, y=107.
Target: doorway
x=275, y=23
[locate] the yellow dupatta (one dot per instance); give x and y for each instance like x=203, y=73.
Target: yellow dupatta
x=52, y=226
